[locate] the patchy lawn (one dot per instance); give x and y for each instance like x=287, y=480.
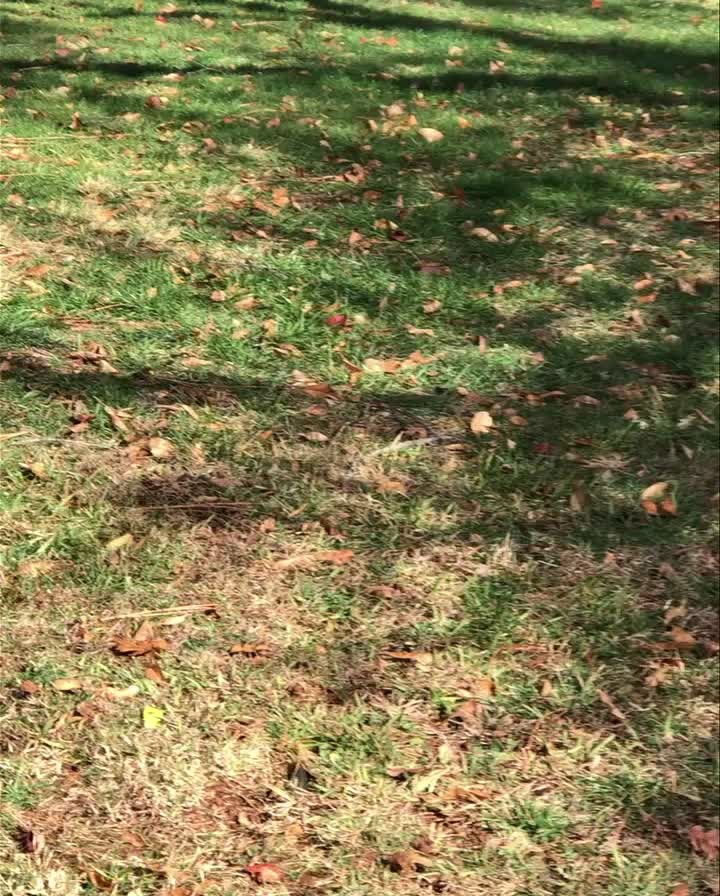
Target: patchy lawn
x=358, y=405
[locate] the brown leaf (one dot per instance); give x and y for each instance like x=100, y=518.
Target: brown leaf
x=76, y=122
x=131, y=647
x=611, y=705
x=314, y=437
x=246, y=304
x=270, y=326
x=706, y=842
x=580, y=498
x=154, y=673
x=379, y=365
x=432, y=267
x=156, y=102
x=420, y=658
x=406, y=861
x=669, y=507
x=484, y=234
x=681, y=890
x=30, y=687
x=681, y=638
x=251, y=650
x=280, y=197
x=265, y=872
x=481, y=423
x=419, y=331
x=308, y=561
x=30, y=841
x=160, y=448
x=432, y=306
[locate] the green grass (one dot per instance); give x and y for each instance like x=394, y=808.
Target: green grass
x=189, y=204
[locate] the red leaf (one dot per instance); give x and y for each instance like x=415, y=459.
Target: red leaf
x=337, y=320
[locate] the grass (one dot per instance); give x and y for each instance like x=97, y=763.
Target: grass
x=247, y=315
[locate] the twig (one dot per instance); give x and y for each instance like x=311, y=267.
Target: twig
x=105, y=446
x=167, y=611
x=398, y=445
x=196, y=505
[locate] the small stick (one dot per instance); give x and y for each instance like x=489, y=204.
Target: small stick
x=195, y=505
x=168, y=611
x=398, y=445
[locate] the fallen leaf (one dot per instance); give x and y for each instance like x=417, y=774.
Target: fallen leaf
x=681, y=890
x=674, y=613
x=656, y=490
x=308, y=561
x=152, y=716
x=419, y=331
x=431, y=135
x=156, y=102
x=432, y=306
x=314, y=437
x=76, y=123
x=132, y=647
x=132, y=690
x=250, y=650
x=580, y=498
x=155, y=673
x=30, y=687
x=119, y=543
x=160, y=448
x=706, y=842
x=481, y=423
x=669, y=507
x=380, y=365
x=406, y=861
x=246, y=304
x=337, y=320
x=420, y=658
x=270, y=326
x=611, y=705
x=280, y=197
x=682, y=638
x=265, y=872
x=484, y=234
x=30, y=841
x=67, y=684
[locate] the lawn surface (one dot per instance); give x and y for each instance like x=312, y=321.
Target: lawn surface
x=358, y=442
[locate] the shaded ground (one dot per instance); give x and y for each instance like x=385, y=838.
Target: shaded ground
x=420, y=424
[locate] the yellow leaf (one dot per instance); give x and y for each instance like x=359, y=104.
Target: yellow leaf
x=152, y=716
x=67, y=684
x=117, y=544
